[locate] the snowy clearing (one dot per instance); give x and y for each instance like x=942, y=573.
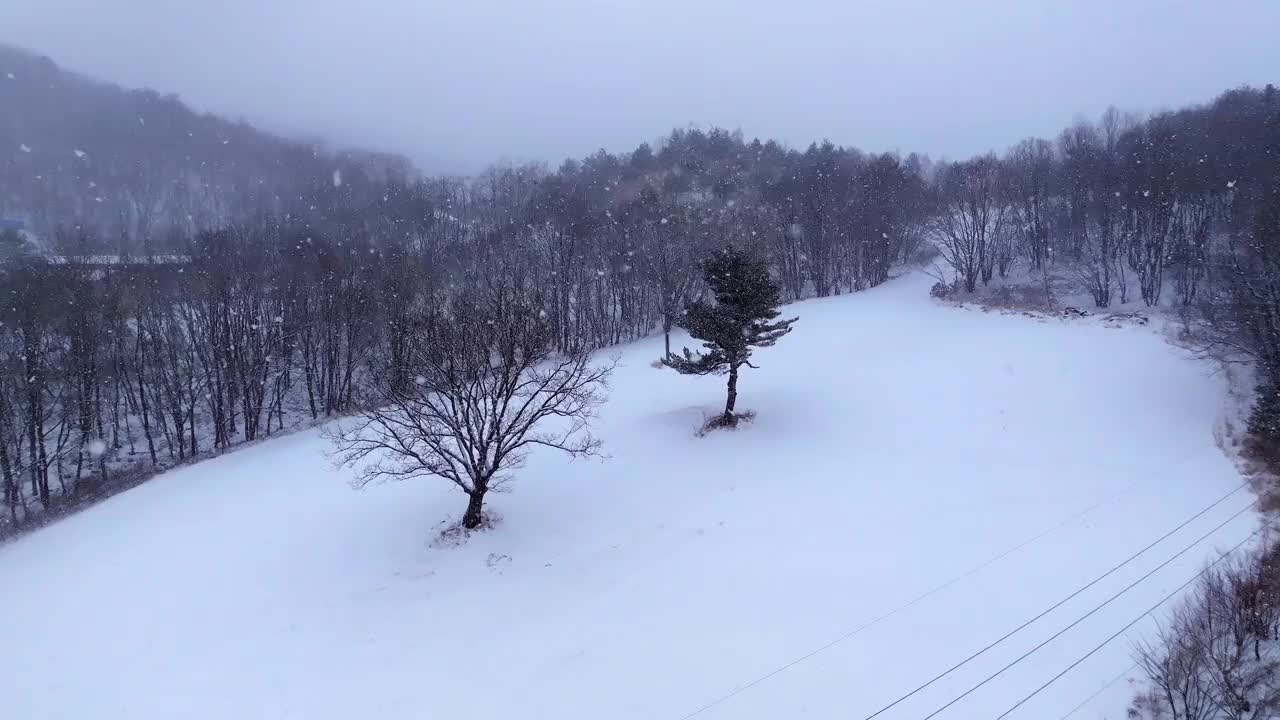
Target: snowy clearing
x=900, y=444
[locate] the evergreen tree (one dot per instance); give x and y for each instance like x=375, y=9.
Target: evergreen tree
x=740, y=319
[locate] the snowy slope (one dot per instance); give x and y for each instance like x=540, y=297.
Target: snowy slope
x=900, y=444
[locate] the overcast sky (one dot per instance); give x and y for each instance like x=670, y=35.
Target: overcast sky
x=457, y=85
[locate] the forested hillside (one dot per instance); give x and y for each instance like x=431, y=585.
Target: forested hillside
x=140, y=171
x=196, y=283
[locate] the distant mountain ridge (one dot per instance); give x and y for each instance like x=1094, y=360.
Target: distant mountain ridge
x=141, y=167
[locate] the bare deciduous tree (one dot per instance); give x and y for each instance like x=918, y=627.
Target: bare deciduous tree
x=1029, y=169
x=488, y=387
x=1217, y=656
x=971, y=219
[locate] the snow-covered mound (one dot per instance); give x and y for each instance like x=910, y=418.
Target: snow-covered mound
x=900, y=445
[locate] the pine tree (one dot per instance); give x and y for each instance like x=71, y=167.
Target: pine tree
x=740, y=319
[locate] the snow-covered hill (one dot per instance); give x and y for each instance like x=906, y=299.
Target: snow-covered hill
x=901, y=446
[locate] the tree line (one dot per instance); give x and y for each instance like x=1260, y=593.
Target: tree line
x=1157, y=209
x=123, y=356
x=124, y=353
x=1180, y=209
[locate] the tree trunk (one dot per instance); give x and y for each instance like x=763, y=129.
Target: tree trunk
x=475, y=504
x=733, y=393
x=10, y=484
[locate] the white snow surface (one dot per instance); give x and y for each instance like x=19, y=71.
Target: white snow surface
x=900, y=444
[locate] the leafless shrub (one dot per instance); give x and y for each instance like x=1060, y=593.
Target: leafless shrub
x=1217, y=657
x=456, y=533
x=720, y=422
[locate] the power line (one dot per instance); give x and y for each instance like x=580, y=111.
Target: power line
x=1082, y=618
x=1099, y=691
x=1122, y=630
x=909, y=604
x=1056, y=605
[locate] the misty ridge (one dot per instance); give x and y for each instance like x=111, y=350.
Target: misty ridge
x=141, y=166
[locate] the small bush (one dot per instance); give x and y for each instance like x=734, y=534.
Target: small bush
x=940, y=290
x=720, y=422
x=455, y=534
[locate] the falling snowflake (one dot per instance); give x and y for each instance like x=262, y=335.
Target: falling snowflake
x=10, y=76
x=337, y=178
x=420, y=380
x=1231, y=184
x=884, y=235
x=92, y=184
x=141, y=121
x=1146, y=193
x=96, y=447
x=24, y=148
x=277, y=319
x=226, y=142
x=542, y=314
x=663, y=221
x=79, y=153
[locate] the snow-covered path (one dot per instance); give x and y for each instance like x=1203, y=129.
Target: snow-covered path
x=900, y=444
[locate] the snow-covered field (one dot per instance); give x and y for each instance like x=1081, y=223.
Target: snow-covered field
x=900, y=446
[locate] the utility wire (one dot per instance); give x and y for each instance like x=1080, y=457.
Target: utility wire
x=900, y=608
x=1099, y=691
x=1087, y=615
x=1122, y=630
x=1058, y=604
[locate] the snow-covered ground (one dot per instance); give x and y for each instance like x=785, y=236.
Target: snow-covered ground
x=901, y=445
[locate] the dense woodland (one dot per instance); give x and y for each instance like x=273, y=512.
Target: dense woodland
x=188, y=284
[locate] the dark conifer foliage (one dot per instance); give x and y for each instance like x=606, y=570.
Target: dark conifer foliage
x=741, y=318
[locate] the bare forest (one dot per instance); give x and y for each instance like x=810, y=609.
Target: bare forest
x=184, y=284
